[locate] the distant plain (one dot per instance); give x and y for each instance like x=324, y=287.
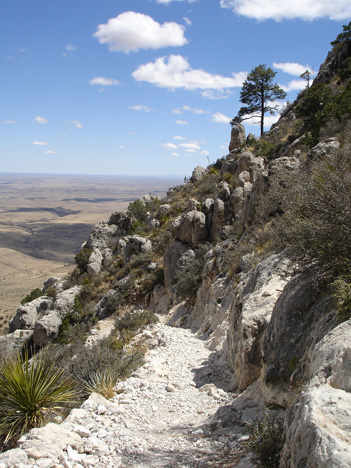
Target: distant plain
x=44, y=219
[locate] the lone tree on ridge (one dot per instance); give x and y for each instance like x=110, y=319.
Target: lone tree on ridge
x=259, y=93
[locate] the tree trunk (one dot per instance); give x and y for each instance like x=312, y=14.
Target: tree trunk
x=262, y=110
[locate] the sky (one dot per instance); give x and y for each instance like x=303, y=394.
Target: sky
x=144, y=87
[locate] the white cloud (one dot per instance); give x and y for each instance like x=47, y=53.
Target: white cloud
x=215, y=95
x=174, y=72
x=218, y=117
x=10, y=122
x=102, y=81
x=121, y=147
x=222, y=147
x=286, y=9
x=70, y=48
x=39, y=143
x=190, y=150
x=294, y=85
x=193, y=110
x=187, y=21
x=181, y=122
x=292, y=68
x=192, y=146
x=140, y=107
x=76, y=123
x=175, y=154
x=204, y=153
x=178, y=137
x=50, y=152
x=169, y=146
x=40, y=120
x=132, y=31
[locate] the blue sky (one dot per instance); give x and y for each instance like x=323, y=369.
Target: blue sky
x=144, y=87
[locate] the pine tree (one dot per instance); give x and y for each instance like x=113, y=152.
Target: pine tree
x=258, y=93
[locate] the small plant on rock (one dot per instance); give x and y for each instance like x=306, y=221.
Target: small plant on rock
x=266, y=441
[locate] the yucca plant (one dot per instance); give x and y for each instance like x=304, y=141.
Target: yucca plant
x=103, y=382
x=30, y=392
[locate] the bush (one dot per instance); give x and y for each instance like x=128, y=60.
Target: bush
x=33, y=295
x=82, y=258
x=342, y=294
x=316, y=206
x=29, y=394
x=266, y=441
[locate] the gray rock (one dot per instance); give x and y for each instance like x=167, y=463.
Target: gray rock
x=324, y=148
x=13, y=457
x=123, y=221
x=237, y=137
x=250, y=163
x=163, y=210
x=133, y=245
x=12, y=343
x=173, y=254
x=318, y=423
x=95, y=263
x=198, y=174
x=190, y=228
x=46, y=329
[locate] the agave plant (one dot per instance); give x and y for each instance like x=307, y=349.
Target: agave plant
x=103, y=382
x=29, y=394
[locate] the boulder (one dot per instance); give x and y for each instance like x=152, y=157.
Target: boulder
x=318, y=423
x=237, y=137
x=254, y=165
x=324, y=148
x=95, y=263
x=250, y=315
x=302, y=316
x=123, y=221
x=104, y=235
x=190, y=228
x=198, y=174
x=130, y=246
x=175, y=256
x=27, y=314
x=12, y=343
x=46, y=329
x=163, y=210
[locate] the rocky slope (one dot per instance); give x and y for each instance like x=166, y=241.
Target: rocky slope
x=256, y=327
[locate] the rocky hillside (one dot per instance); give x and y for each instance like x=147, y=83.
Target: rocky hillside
x=252, y=254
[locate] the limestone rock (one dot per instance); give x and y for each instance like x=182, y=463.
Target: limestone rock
x=123, y=221
x=319, y=421
x=254, y=165
x=107, y=305
x=12, y=343
x=173, y=255
x=46, y=329
x=104, y=235
x=13, y=457
x=237, y=137
x=190, y=228
x=133, y=245
x=198, y=174
x=250, y=314
x=95, y=263
x=26, y=315
x=324, y=148
x=163, y=210
x=302, y=315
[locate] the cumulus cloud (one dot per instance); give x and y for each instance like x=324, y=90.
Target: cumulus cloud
x=193, y=146
x=294, y=85
x=103, y=81
x=50, y=152
x=39, y=143
x=169, y=146
x=194, y=110
x=40, y=120
x=215, y=95
x=178, y=137
x=286, y=9
x=130, y=31
x=218, y=117
x=181, y=122
x=140, y=107
x=10, y=122
x=187, y=21
x=76, y=123
x=174, y=72
x=292, y=68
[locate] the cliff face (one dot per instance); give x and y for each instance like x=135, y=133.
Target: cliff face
x=208, y=259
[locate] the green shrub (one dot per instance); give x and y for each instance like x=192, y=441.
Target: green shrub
x=266, y=441
x=33, y=295
x=316, y=206
x=29, y=394
x=342, y=294
x=82, y=258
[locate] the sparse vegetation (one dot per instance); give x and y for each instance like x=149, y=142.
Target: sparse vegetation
x=266, y=440
x=33, y=295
